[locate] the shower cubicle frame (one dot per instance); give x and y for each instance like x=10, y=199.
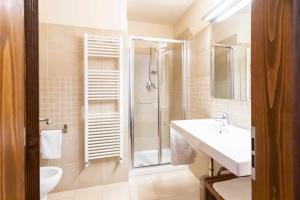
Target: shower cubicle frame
x=131, y=91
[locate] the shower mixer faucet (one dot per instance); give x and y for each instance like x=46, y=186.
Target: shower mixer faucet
x=150, y=86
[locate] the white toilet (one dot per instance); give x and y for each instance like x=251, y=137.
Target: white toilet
x=49, y=178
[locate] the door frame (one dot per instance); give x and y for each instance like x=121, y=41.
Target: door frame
x=296, y=121
x=32, y=149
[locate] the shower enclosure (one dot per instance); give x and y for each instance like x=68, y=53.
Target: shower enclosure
x=157, y=96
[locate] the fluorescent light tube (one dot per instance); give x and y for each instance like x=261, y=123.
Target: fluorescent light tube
x=240, y=5
x=219, y=9
x=225, y=9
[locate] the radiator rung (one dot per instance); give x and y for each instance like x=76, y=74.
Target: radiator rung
x=105, y=156
x=103, y=135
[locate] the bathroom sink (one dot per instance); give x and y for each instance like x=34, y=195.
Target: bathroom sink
x=228, y=145
x=49, y=178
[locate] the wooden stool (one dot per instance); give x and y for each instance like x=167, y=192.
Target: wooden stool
x=228, y=186
x=210, y=192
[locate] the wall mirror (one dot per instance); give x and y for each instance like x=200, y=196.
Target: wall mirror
x=231, y=56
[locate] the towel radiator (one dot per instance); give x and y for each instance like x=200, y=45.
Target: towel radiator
x=102, y=130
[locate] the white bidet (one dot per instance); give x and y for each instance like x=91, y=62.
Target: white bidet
x=49, y=178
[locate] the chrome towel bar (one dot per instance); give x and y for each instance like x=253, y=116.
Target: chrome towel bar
x=48, y=122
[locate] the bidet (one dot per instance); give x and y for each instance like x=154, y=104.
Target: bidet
x=49, y=178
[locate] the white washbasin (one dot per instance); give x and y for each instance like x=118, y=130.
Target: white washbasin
x=228, y=145
x=49, y=178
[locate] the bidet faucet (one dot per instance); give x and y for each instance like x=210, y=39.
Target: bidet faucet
x=223, y=119
x=48, y=121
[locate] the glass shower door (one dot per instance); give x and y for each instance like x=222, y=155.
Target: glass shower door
x=170, y=93
x=146, y=140
x=156, y=98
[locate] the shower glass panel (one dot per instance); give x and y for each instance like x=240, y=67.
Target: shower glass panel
x=170, y=93
x=157, y=69
x=145, y=95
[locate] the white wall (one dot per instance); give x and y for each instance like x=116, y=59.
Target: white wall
x=239, y=24
x=193, y=17
x=149, y=30
x=245, y=28
x=104, y=14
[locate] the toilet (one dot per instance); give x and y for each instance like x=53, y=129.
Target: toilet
x=49, y=178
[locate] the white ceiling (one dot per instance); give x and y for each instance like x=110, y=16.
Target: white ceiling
x=157, y=11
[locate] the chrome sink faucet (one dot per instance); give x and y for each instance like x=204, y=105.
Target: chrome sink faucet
x=223, y=119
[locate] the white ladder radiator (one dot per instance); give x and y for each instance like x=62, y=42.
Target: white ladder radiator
x=102, y=130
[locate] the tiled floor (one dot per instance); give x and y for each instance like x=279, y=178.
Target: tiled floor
x=176, y=185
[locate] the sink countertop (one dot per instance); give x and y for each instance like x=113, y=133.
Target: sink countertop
x=228, y=145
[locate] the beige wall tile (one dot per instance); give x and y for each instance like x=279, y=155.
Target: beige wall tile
x=65, y=38
x=61, y=100
x=64, y=63
x=43, y=63
x=43, y=37
x=43, y=49
x=68, y=180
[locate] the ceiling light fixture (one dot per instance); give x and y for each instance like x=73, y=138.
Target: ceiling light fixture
x=225, y=9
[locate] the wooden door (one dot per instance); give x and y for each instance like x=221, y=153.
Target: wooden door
x=11, y=100
x=275, y=99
